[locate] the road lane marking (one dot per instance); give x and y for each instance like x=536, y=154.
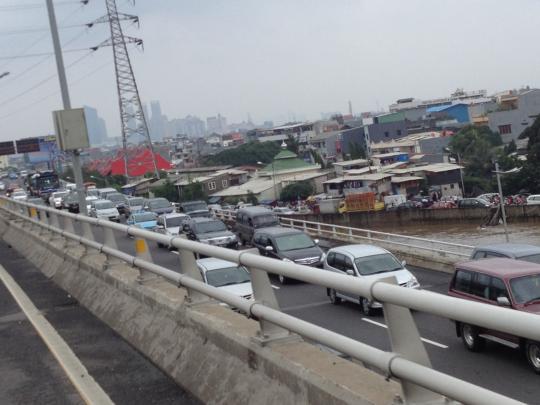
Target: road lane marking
x=83, y=382
x=275, y=287
x=382, y=325
x=305, y=306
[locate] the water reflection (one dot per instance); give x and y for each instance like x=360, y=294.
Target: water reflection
x=469, y=234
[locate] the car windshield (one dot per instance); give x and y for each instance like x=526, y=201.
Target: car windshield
x=293, y=242
x=265, y=221
x=526, y=289
x=92, y=192
x=159, y=203
x=115, y=197
x=377, y=264
x=531, y=258
x=59, y=195
x=135, y=202
x=227, y=276
x=174, y=221
x=147, y=216
x=188, y=207
x=210, y=226
x=104, y=205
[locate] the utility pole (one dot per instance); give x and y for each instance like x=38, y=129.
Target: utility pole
x=77, y=172
x=501, y=199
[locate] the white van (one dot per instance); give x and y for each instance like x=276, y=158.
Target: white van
x=103, y=192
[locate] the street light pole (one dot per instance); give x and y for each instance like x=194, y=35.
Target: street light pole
x=501, y=199
x=77, y=172
x=461, y=175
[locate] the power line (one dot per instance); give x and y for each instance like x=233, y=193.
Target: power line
x=73, y=83
x=33, y=55
x=33, y=30
x=42, y=37
x=42, y=82
x=30, y=6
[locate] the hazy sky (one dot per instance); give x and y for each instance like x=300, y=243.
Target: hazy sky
x=275, y=59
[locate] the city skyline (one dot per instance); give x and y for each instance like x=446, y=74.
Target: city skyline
x=200, y=61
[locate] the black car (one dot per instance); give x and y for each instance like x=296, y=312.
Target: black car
x=289, y=245
x=211, y=231
x=195, y=209
x=120, y=201
x=71, y=203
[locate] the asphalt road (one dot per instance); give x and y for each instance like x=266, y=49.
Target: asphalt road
x=31, y=375
x=498, y=368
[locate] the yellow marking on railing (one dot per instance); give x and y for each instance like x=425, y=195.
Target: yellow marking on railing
x=33, y=212
x=140, y=246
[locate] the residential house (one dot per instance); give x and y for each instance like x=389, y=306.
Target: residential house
x=378, y=183
x=214, y=182
x=517, y=111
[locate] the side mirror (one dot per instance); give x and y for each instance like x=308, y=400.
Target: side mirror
x=350, y=272
x=269, y=248
x=403, y=263
x=503, y=301
x=316, y=241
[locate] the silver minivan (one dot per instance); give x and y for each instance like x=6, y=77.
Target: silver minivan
x=367, y=262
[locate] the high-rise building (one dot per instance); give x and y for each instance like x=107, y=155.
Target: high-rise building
x=97, y=130
x=156, y=123
x=216, y=125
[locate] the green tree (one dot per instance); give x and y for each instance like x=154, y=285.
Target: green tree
x=293, y=143
x=251, y=198
x=294, y=191
x=529, y=177
x=193, y=191
x=248, y=153
x=317, y=158
x=357, y=150
x=167, y=190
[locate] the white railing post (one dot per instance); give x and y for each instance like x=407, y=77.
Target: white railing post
x=334, y=231
x=188, y=266
x=350, y=234
x=406, y=341
x=142, y=252
x=110, y=242
x=304, y=226
x=264, y=294
x=319, y=229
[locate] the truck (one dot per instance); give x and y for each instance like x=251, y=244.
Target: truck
x=392, y=201
x=360, y=203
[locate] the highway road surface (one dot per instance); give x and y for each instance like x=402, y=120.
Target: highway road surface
x=498, y=368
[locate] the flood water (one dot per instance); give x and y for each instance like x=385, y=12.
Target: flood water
x=470, y=234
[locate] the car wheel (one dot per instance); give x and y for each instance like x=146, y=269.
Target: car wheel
x=471, y=340
x=334, y=299
x=283, y=280
x=366, y=308
x=532, y=351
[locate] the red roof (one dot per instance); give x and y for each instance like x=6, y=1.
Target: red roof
x=139, y=163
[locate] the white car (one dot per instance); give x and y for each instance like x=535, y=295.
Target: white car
x=89, y=200
x=134, y=204
x=104, y=209
x=55, y=200
x=170, y=224
x=226, y=275
x=367, y=262
x=19, y=196
x=533, y=199
x=283, y=211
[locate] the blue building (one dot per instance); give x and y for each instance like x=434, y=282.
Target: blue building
x=459, y=112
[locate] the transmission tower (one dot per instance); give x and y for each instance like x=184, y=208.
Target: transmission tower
x=134, y=127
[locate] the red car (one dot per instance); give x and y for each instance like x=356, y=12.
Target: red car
x=505, y=282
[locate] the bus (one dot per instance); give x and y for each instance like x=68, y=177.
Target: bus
x=42, y=184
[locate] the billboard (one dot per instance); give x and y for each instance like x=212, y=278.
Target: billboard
x=27, y=145
x=7, y=148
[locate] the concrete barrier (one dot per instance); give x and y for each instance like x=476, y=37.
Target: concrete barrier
x=208, y=349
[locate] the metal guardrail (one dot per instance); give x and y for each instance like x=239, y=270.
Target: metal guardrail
x=330, y=231
x=408, y=362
